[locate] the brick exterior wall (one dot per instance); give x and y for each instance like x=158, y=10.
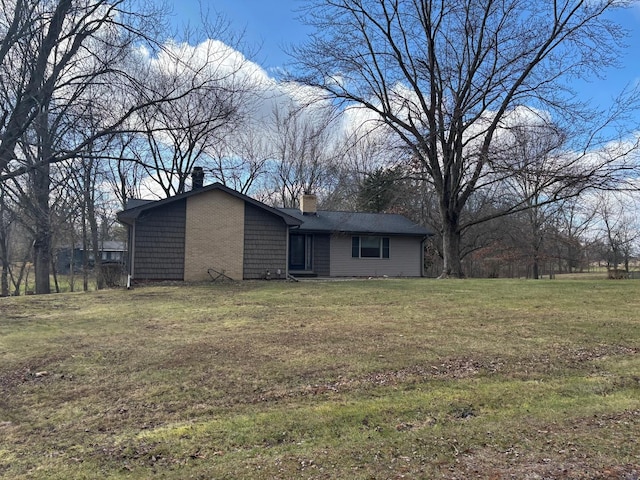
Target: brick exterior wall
x=214, y=236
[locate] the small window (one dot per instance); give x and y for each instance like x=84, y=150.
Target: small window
x=369, y=247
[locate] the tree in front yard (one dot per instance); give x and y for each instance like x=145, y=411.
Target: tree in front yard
x=445, y=76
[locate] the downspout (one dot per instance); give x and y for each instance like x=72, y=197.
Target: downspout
x=132, y=236
x=422, y=244
x=286, y=263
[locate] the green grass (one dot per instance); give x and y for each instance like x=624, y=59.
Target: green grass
x=357, y=379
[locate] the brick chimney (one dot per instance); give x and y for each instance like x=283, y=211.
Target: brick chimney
x=308, y=204
x=197, y=178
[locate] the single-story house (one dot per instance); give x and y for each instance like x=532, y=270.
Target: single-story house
x=70, y=258
x=213, y=230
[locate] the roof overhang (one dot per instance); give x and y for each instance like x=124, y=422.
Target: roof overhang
x=129, y=215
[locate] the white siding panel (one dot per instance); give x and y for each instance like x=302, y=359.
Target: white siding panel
x=404, y=259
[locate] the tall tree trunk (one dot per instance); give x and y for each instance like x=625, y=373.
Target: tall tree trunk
x=54, y=271
x=42, y=260
x=90, y=205
x=537, y=248
x=22, y=273
x=4, y=289
x=72, y=265
x=41, y=188
x=95, y=246
x=41, y=183
x=85, y=251
x=451, y=237
x=4, y=257
x=4, y=245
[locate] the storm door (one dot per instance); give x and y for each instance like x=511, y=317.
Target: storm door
x=300, y=252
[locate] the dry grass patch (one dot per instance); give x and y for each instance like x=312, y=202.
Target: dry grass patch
x=361, y=379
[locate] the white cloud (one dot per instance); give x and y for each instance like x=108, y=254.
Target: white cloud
x=268, y=94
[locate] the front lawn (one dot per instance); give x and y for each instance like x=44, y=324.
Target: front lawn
x=356, y=379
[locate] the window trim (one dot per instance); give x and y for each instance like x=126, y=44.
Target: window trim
x=383, y=247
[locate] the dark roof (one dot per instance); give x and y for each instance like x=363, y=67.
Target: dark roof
x=357, y=222
x=136, y=202
x=113, y=245
x=137, y=207
x=106, y=246
x=322, y=221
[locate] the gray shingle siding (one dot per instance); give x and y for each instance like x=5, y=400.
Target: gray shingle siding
x=405, y=255
x=321, y=255
x=159, y=243
x=265, y=240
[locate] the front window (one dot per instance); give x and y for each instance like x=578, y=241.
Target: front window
x=370, y=247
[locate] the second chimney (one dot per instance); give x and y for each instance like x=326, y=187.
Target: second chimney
x=308, y=204
x=197, y=178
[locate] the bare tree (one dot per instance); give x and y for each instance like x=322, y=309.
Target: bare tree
x=530, y=160
x=618, y=228
x=241, y=160
x=7, y=222
x=124, y=175
x=303, y=151
x=184, y=132
x=444, y=75
x=361, y=152
x=32, y=201
x=61, y=62
x=573, y=223
x=54, y=52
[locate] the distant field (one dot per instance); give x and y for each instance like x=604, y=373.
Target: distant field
x=489, y=379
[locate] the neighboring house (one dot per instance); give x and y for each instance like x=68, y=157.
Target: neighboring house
x=68, y=258
x=211, y=230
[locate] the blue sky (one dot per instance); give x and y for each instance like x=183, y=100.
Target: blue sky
x=629, y=73
x=271, y=25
